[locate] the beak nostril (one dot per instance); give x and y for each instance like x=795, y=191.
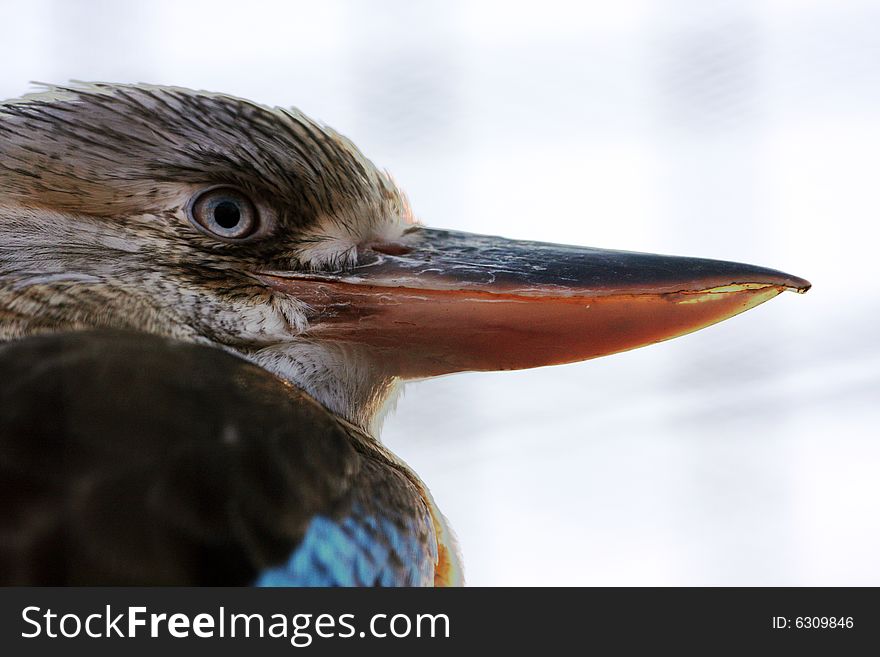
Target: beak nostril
x=391, y=248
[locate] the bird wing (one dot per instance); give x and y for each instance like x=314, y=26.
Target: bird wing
x=127, y=458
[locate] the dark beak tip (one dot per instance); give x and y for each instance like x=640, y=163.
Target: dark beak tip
x=799, y=285
x=781, y=280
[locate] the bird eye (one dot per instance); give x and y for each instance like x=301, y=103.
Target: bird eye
x=224, y=212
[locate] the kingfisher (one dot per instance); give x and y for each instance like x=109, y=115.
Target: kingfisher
x=207, y=305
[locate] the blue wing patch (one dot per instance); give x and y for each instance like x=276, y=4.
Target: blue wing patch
x=358, y=550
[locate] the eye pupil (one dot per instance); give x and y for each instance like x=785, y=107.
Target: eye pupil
x=224, y=212
x=227, y=214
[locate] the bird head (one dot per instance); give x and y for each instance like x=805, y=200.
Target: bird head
x=213, y=219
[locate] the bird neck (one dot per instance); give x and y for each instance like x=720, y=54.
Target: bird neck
x=346, y=379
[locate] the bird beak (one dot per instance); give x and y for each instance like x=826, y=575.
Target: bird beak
x=444, y=301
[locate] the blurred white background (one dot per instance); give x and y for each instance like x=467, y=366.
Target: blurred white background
x=747, y=453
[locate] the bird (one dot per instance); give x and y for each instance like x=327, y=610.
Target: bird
x=208, y=306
